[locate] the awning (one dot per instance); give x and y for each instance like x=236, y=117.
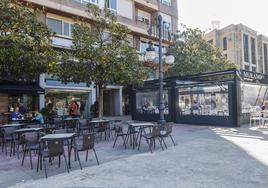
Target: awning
x=21, y=89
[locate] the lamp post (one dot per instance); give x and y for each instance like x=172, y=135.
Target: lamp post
x=150, y=55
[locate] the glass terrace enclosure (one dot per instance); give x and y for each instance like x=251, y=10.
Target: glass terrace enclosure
x=222, y=98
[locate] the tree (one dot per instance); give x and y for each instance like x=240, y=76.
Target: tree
x=101, y=54
x=193, y=54
x=25, y=42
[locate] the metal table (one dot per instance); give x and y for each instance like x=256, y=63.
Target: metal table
x=131, y=131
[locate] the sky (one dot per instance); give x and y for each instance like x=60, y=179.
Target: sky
x=200, y=13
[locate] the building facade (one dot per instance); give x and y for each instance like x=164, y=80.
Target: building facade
x=136, y=14
x=242, y=46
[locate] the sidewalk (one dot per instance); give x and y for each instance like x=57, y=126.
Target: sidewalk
x=204, y=157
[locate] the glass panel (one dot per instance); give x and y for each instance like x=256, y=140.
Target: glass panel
x=112, y=4
x=24, y=102
x=60, y=102
x=246, y=48
x=147, y=102
x=252, y=97
x=204, y=100
x=253, y=51
x=143, y=46
x=66, y=29
x=55, y=25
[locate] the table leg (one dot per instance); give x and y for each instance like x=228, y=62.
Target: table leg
x=69, y=153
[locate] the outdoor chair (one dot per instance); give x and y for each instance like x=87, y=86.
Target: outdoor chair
x=71, y=125
x=86, y=145
x=151, y=136
x=8, y=136
x=255, y=116
x=264, y=117
x=49, y=130
x=119, y=132
x=54, y=148
x=167, y=133
x=31, y=142
x=83, y=126
x=103, y=128
x=58, y=122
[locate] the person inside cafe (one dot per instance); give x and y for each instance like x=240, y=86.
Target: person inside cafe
x=22, y=109
x=73, y=109
x=38, y=117
x=265, y=105
x=16, y=114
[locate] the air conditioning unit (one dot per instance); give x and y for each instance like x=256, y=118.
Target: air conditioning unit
x=142, y=19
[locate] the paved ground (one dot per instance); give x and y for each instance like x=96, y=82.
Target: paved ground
x=204, y=157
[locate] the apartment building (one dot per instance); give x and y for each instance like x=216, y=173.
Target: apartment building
x=241, y=45
x=136, y=14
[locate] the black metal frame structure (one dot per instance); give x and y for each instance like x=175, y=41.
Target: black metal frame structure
x=232, y=86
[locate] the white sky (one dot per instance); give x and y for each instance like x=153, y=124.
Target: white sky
x=200, y=13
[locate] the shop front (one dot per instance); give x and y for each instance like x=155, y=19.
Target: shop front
x=25, y=96
x=223, y=98
x=61, y=98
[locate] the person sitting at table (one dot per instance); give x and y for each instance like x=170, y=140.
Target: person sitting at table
x=39, y=118
x=265, y=105
x=16, y=114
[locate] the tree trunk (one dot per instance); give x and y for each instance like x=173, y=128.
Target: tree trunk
x=100, y=101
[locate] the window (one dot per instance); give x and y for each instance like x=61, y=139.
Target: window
x=253, y=51
x=112, y=4
x=204, y=100
x=252, y=95
x=143, y=16
x=143, y=46
x=224, y=43
x=147, y=102
x=55, y=25
x=166, y=2
x=246, y=48
x=254, y=69
x=265, y=58
x=60, y=27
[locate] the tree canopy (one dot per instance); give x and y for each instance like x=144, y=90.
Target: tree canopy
x=101, y=54
x=25, y=42
x=193, y=54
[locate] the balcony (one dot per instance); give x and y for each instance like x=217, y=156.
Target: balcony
x=62, y=42
x=147, y=5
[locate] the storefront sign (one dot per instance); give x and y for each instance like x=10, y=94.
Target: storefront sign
x=247, y=75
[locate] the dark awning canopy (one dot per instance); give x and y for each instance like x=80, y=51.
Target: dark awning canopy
x=21, y=89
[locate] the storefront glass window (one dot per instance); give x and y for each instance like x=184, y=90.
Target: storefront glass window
x=60, y=102
x=204, y=100
x=27, y=101
x=252, y=97
x=147, y=102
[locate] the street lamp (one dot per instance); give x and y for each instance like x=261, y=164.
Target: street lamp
x=150, y=55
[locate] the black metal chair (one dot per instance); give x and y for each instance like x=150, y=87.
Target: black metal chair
x=86, y=145
x=119, y=132
x=53, y=148
x=31, y=142
x=167, y=133
x=151, y=136
x=103, y=128
x=83, y=126
x=8, y=136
